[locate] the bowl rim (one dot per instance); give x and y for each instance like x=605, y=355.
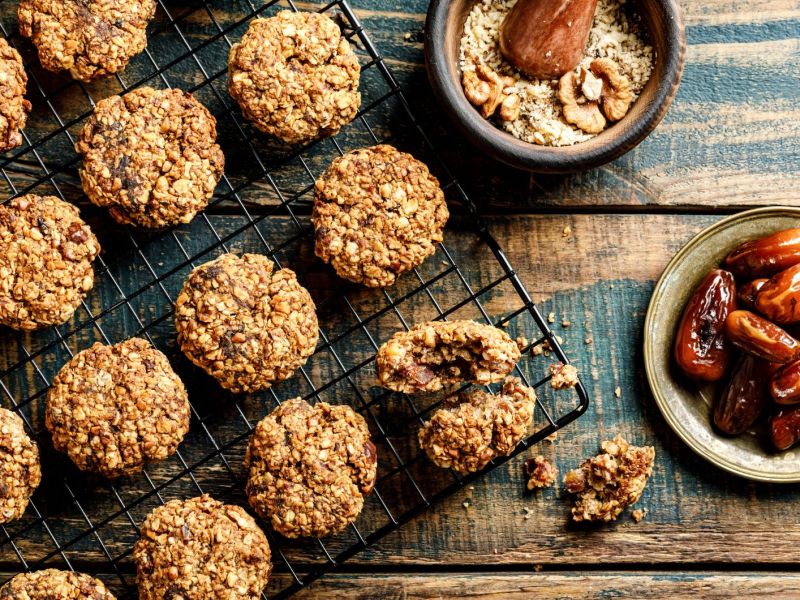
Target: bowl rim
x=662, y=401
x=548, y=159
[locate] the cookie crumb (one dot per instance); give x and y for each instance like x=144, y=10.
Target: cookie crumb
x=618, y=392
x=589, y=341
x=541, y=474
x=466, y=505
x=567, y=231
x=564, y=376
x=639, y=514
x=551, y=318
x=566, y=323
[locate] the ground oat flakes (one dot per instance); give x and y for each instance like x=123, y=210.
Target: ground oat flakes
x=441, y=353
x=14, y=108
x=46, y=254
x=114, y=408
x=245, y=324
x=472, y=429
x=89, y=38
x=541, y=121
x=310, y=468
x=609, y=482
x=52, y=584
x=150, y=157
x=20, y=470
x=378, y=212
x=201, y=549
x=295, y=76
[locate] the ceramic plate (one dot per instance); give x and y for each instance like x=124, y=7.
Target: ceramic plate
x=687, y=406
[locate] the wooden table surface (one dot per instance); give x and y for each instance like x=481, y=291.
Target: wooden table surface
x=730, y=142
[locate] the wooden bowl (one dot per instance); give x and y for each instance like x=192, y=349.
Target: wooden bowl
x=664, y=25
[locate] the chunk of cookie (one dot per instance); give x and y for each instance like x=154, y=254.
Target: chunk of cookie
x=245, y=324
x=20, y=470
x=378, y=212
x=540, y=473
x=88, y=38
x=50, y=584
x=46, y=254
x=14, y=108
x=473, y=429
x=310, y=468
x=437, y=354
x=201, y=549
x=114, y=408
x=611, y=481
x=150, y=157
x=295, y=76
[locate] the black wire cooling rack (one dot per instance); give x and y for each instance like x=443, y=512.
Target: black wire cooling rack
x=262, y=205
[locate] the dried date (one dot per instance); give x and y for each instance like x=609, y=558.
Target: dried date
x=767, y=256
x=784, y=428
x=701, y=348
x=749, y=292
x=779, y=299
x=785, y=385
x=745, y=396
x=761, y=338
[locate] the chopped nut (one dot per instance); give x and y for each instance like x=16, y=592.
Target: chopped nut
x=466, y=505
x=618, y=392
x=617, y=96
x=567, y=231
x=589, y=341
x=566, y=323
x=578, y=110
x=564, y=376
x=476, y=90
x=551, y=318
x=639, y=514
x=540, y=472
x=510, y=108
x=591, y=86
x=487, y=90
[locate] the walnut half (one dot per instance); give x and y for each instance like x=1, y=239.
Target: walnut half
x=578, y=109
x=487, y=90
x=616, y=95
x=590, y=97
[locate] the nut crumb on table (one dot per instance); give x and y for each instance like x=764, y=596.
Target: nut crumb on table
x=564, y=376
x=606, y=484
x=433, y=355
x=638, y=515
x=540, y=473
x=471, y=429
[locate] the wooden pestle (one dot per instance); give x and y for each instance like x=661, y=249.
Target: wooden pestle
x=546, y=38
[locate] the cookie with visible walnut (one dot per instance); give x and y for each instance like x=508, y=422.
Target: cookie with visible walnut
x=473, y=429
x=150, y=157
x=53, y=583
x=88, y=38
x=431, y=356
x=378, y=213
x=606, y=484
x=20, y=470
x=310, y=468
x=244, y=323
x=201, y=549
x=46, y=254
x=295, y=76
x=114, y=408
x=14, y=108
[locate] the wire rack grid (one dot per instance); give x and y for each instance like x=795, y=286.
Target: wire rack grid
x=262, y=205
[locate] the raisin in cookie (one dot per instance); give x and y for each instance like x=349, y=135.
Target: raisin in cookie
x=20, y=470
x=441, y=353
x=310, y=468
x=295, y=76
x=378, y=212
x=88, y=38
x=201, y=549
x=472, y=429
x=114, y=408
x=14, y=108
x=606, y=484
x=150, y=157
x=245, y=324
x=50, y=584
x=46, y=254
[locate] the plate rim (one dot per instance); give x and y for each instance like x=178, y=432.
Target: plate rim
x=649, y=360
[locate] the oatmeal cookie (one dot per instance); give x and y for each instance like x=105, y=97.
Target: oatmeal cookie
x=609, y=482
x=20, y=470
x=245, y=324
x=150, y=157
x=88, y=38
x=310, y=468
x=441, y=353
x=14, y=108
x=201, y=549
x=295, y=76
x=472, y=429
x=52, y=583
x=378, y=212
x=113, y=408
x=46, y=254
